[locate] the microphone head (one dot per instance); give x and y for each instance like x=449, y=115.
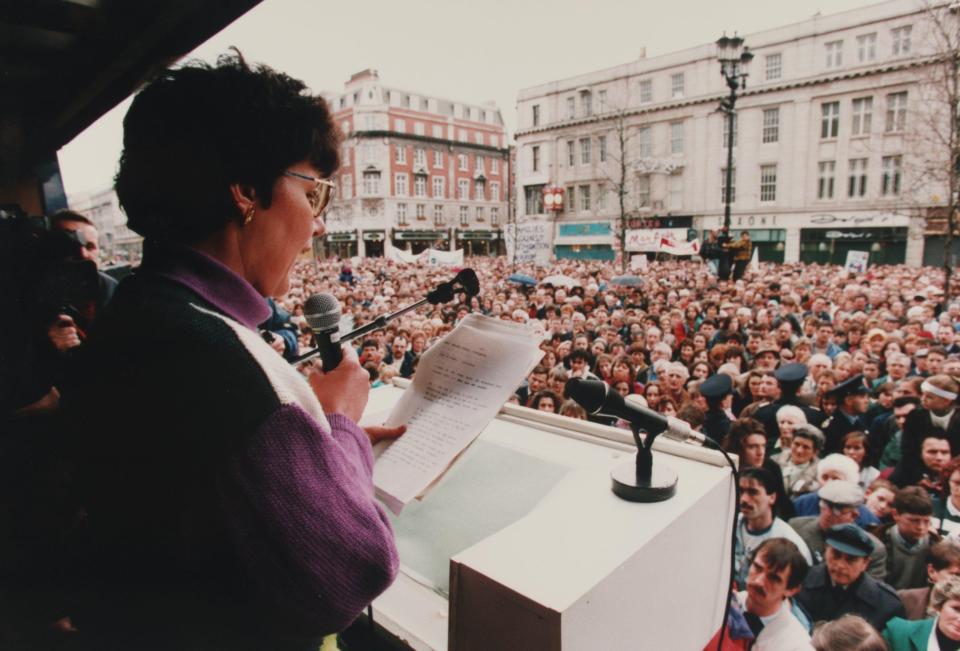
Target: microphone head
x=468, y=279
x=592, y=395
x=322, y=312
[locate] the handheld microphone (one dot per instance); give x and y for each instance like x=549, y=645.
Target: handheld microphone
x=597, y=398
x=322, y=312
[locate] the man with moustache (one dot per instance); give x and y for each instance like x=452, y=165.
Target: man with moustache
x=777, y=570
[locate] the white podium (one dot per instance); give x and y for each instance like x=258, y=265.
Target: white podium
x=522, y=545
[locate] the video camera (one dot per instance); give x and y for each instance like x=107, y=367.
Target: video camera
x=42, y=269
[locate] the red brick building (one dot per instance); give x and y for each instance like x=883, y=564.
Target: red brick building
x=417, y=169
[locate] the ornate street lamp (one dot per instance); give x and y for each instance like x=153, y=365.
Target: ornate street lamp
x=734, y=61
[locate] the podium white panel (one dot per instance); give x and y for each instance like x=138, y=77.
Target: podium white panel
x=522, y=545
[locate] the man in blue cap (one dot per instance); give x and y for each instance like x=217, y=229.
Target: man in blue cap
x=853, y=400
x=790, y=377
x=717, y=390
x=841, y=584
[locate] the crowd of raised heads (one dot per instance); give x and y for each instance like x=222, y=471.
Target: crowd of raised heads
x=837, y=391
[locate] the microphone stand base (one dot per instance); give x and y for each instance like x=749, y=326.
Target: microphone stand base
x=661, y=486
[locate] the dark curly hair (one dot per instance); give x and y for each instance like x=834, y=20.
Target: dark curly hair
x=195, y=130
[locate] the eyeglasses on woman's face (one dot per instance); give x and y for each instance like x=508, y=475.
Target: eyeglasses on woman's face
x=321, y=194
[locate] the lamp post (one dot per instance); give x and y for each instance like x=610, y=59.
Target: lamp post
x=734, y=60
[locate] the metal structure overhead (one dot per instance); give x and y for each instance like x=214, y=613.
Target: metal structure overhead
x=64, y=63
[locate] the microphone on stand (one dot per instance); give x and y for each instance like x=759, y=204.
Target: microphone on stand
x=639, y=480
x=322, y=312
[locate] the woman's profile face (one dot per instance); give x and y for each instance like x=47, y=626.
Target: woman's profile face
x=270, y=242
x=949, y=621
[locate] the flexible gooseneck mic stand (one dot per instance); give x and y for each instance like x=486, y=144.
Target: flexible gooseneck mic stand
x=443, y=293
x=639, y=480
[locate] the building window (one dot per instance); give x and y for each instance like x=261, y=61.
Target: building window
x=601, y=196
x=437, y=158
x=896, y=111
x=494, y=141
x=401, y=155
x=463, y=189
x=438, y=183
x=645, y=140
x=857, y=184
x=890, y=185
x=479, y=213
x=768, y=183
x=421, y=212
x=825, y=179
x=536, y=115
x=419, y=157
x=437, y=131
x=602, y=148
x=464, y=216
x=676, y=85
x=571, y=108
x=723, y=185
x=535, y=158
x=571, y=195
x=346, y=186
x=584, y=151
x=463, y=135
x=424, y=104
x=418, y=128
x=371, y=183
x=494, y=191
x=867, y=48
x=901, y=40
x=676, y=137
x=479, y=191
x=676, y=192
x=343, y=102
x=862, y=116
x=602, y=99
x=405, y=102
x=494, y=165
x=462, y=162
x=643, y=191
x=466, y=112
x=533, y=199
x=401, y=185
x=420, y=186
x=646, y=91
x=370, y=122
x=345, y=126
x=830, y=119
x=478, y=137
x=586, y=103
x=584, y=198
x=402, y=214
x=774, y=66
x=345, y=155
x=726, y=130
x=438, y=219
x=771, y=125
x=400, y=126
x=834, y=53
x=478, y=164
x=571, y=153
x=494, y=216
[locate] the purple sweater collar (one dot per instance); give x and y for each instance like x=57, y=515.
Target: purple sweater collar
x=209, y=278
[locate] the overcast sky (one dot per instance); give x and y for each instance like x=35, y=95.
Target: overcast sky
x=465, y=51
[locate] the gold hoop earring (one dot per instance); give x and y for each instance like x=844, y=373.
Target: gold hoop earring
x=248, y=216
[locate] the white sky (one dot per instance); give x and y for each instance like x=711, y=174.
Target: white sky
x=465, y=51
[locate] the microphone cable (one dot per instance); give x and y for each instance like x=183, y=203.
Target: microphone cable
x=733, y=539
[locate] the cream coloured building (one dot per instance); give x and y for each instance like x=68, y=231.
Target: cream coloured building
x=829, y=141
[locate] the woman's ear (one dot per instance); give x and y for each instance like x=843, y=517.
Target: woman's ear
x=244, y=197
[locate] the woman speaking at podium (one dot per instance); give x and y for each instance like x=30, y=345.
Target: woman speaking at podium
x=229, y=500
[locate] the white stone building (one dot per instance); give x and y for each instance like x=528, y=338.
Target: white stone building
x=827, y=142
x=117, y=241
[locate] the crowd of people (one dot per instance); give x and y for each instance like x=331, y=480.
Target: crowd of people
x=836, y=390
